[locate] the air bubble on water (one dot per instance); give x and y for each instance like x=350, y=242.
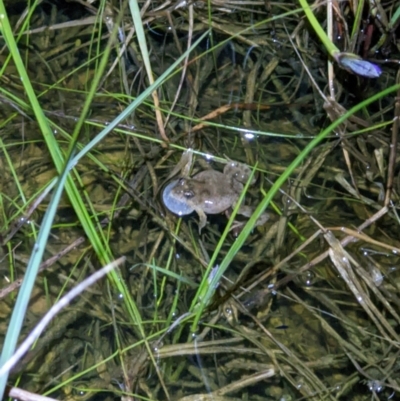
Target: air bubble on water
x=271, y=287
x=309, y=278
x=375, y=385
x=249, y=135
x=228, y=312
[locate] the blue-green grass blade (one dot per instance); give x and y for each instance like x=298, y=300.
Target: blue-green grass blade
x=21, y=304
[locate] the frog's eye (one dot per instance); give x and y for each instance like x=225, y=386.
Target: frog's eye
x=182, y=183
x=188, y=194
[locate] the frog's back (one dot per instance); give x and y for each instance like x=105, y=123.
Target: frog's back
x=214, y=193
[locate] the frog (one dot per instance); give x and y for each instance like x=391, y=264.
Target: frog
x=209, y=191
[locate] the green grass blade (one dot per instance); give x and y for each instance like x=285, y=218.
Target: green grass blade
x=330, y=47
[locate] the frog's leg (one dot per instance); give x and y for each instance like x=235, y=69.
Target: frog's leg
x=202, y=219
x=247, y=211
x=184, y=165
x=186, y=162
x=238, y=171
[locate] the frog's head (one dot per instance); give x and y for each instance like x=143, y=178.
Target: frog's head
x=183, y=189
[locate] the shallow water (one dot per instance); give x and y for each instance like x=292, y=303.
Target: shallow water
x=289, y=320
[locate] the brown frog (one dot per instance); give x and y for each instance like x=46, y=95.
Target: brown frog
x=209, y=192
